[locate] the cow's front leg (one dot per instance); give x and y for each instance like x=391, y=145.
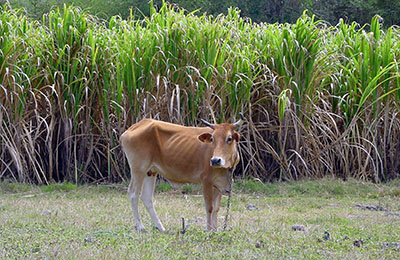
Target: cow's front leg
x=208, y=194
x=216, y=203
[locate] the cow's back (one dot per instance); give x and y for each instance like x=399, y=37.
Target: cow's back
x=149, y=131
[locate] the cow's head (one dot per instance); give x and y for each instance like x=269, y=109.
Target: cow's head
x=224, y=139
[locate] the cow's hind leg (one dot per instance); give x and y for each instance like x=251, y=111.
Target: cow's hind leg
x=134, y=191
x=147, y=198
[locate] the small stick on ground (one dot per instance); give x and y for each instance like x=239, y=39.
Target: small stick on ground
x=183, y=231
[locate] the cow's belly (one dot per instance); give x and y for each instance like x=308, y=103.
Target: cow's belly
x=177, y=175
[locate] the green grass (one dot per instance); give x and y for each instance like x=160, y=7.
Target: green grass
x=95, y=222
x=66, y=186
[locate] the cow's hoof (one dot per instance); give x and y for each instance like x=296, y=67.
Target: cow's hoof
x=140, y=228
x=161, y=229
x=210, y=229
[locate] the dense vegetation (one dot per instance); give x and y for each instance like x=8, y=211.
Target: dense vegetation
x=320, y=100
x=271, y=11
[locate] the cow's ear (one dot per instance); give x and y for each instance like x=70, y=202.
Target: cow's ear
x=236, y=137
x=205, y=138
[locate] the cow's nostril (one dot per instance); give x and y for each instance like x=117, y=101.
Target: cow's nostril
x=215, y=161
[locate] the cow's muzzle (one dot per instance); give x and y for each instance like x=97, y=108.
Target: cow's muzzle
x=217, y=161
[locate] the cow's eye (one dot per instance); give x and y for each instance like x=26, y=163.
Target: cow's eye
x=229, y=139
x=212, y=139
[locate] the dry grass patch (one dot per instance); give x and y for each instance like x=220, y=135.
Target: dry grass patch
x=95, y=222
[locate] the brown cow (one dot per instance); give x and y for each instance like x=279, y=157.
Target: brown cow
x=203, y=155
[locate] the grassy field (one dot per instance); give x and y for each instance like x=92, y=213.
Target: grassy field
x=341, y=220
